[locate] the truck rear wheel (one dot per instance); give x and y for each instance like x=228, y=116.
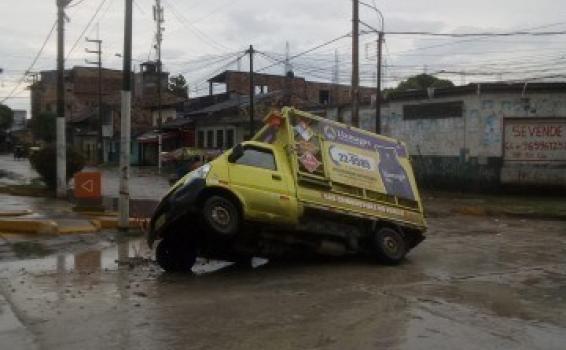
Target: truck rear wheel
x=175, y=254
x=221, y=215
x=390, y=246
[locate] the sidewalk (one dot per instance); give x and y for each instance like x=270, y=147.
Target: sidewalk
x=41, y=215
x=439, y=204
x=145, y=183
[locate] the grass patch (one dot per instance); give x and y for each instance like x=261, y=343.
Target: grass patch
x=30, y=249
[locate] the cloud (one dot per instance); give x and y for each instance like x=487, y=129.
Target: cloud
x=200, y=34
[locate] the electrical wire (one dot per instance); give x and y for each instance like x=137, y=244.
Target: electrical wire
x=22, y=79
x=307, y=51
x=102, y=2
x=464, y=35
x=205, y=38
x=75, y=3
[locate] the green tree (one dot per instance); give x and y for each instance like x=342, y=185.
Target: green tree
x=178, y=85
x=43, y=126
x=422, y=82
x=6, y=117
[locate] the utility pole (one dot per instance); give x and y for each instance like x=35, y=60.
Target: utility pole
x=98, y=63
x=124, y=200
x=378, y=94
x=336, y=73
x=60, y=126
x=252, y=91
x=336, y=78
x=380, y=40
x=355, y=63
x=159, y=19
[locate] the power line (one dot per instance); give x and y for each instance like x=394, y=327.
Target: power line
x=85, y=28
x=463, y=35
x=75, y=3
x=32, y=63
x=305, y=52
x=205, y=38
x=470, y=40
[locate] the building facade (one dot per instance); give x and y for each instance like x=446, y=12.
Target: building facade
x=81, y=106
x=479, y=136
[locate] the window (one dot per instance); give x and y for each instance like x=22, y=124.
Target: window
x=229, y=138
x=324, y=97
x=261, y=89
x=220, y=139
x=434, y=110
x=200, y=139
x=210, y=139
x=259, y=158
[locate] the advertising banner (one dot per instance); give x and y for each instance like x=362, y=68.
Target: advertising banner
x=352, y=157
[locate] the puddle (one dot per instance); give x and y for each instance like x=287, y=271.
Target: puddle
x=128, y=254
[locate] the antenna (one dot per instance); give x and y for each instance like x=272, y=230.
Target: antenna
x=288, y=67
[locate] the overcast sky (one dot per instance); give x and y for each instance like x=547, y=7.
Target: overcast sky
x=202, y=38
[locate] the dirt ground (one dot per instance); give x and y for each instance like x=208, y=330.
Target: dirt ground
x=475, y=283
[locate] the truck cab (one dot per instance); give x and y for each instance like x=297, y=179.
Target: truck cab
x=302, y=185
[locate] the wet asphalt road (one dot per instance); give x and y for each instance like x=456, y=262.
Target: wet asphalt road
x=476, y=283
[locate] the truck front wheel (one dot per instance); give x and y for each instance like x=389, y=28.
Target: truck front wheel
x=221, y=215
x=390, y=246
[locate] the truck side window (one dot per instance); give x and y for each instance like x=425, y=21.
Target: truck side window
x=258, y=158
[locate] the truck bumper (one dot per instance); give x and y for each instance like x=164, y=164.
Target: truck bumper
x=173, y=207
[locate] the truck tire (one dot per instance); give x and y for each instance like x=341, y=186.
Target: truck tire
x=221, y=216
x=390, y=246
x=174, y=254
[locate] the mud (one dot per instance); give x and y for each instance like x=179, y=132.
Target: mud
x=476, y=283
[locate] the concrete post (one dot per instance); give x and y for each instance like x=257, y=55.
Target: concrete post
x=60, y=124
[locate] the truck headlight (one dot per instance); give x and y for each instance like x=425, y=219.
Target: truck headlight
x=199, y=173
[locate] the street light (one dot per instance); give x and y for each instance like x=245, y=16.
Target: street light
x=117, y=54
x=380, y=34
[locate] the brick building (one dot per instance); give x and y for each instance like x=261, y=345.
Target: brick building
x=81, y=105
x=315, y=92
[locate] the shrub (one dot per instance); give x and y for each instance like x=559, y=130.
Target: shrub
x=45, y=163
x=43, y=126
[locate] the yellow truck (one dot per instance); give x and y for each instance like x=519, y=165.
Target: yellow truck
x=302, y=185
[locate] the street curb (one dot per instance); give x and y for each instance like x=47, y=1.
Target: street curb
x=490, y=212
x=46, y=227
x=107, y=223
x=13, y=213
x=78, y=229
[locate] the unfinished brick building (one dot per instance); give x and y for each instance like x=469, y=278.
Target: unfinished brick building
x=315, y=92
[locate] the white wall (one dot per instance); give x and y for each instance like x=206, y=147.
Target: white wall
x=480, y=130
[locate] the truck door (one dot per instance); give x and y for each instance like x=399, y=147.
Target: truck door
x=258, y=178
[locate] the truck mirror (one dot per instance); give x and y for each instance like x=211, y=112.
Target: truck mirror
x=237, y=152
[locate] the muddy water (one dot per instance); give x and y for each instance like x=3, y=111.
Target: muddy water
x=476, y=283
